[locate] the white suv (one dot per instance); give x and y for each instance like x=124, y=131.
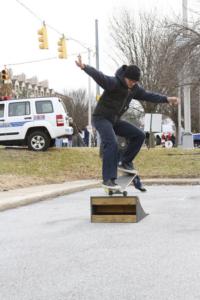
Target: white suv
x=35, y=122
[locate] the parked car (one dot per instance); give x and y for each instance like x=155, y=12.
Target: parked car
x=35, y=122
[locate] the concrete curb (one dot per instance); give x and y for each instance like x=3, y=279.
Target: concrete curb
x=171, y=181
x=20, y=197
x=25, y=196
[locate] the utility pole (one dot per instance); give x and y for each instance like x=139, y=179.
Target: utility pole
x=97, y=67
x=187, y=137
x=89, y=50
x=151, y=134
x=97, y=55
x=184, y=12
x=179, y=143
x=89, y=101
x=89, y=83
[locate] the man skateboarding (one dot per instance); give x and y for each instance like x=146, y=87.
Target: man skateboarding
x=119, y=90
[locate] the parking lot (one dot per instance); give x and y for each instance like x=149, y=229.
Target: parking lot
x=51, y=250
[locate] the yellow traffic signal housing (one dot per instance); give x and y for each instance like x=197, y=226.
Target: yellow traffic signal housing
x=62, y=50
x=43, y=38
x=5, y=75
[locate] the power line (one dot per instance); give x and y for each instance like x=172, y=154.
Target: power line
x=37, y=17
x=29, y=10
x=51, y=27
x=39, y=60
x=30, y=61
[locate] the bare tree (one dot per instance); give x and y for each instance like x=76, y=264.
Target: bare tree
x=77, y=107
x=151, y=45
x=187, y=60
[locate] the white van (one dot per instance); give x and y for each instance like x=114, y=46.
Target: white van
x=34, y=122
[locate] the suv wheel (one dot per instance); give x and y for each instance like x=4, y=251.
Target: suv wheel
x=38, y=141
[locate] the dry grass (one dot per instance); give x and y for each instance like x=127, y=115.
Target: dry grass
x=169, y=163
x=21, y=168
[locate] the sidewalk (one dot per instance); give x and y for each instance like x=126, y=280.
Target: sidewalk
x=24, y=196
x=171, y=181
x=15, y=198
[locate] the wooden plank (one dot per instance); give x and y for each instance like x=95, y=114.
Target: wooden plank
x=113, y=219
x=114, y=209
x=113, y=200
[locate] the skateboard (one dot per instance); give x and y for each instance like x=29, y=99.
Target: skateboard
x=124, y=181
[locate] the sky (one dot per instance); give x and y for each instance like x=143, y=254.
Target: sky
x=75, y=19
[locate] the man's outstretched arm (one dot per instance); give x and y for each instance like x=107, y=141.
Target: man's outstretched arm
x=106, y=82
x=156, y=98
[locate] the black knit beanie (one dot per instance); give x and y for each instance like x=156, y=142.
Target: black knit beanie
x=132, y=72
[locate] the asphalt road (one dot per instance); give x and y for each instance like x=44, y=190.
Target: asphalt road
x=51, y=251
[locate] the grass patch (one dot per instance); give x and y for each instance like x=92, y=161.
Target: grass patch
x=165, y=163
x=24, y=168
x=55, y=163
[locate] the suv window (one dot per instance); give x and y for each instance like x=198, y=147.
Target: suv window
x=19, y=109
x=1, y=110
x=44, y=107
x=63, y=105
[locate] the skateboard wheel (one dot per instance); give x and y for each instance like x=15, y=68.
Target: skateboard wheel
x=125, y=193
x=110, y=193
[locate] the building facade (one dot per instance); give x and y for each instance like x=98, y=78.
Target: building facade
x=19, y=86
x=23, y=87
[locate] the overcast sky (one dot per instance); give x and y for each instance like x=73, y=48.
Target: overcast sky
x=76, y=19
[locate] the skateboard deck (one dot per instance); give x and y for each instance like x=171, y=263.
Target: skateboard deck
x=124, y=181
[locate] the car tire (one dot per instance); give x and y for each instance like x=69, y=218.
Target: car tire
x=38, y=141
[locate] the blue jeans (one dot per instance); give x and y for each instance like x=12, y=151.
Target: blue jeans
x=108, y=132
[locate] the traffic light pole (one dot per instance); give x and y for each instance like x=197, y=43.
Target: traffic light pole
x=89, y=82
x=97, y=67
x=89, y=101
x=97, y=55
x=89, y=50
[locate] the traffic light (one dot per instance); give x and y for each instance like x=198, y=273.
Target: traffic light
x=43, y=38
x=62, y=50
x=5, y=75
